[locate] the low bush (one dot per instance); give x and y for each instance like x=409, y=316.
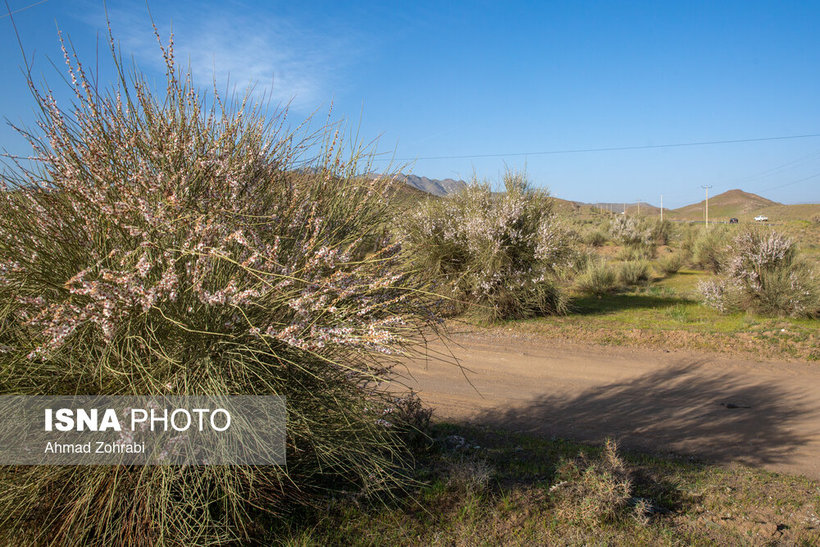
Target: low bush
x=633, y=273
x=661, y=231
x=685, y=239
x=593, y=491
x=710, y=248
x=410, y=418
x=598, y=279
x=161, y=246
x=469, y=475
x=636, y=252
x=630, y=231
x=496, y=255
x=671, y=263
x=596, y=238
x=637, y=236
x=764, y=274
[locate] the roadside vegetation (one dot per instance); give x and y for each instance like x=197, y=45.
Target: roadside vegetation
x=161, y=244
x=494, y=256
x=731, y=289
x=164, y=245
x=489, y=486
x=764, y=273
x=631, y=280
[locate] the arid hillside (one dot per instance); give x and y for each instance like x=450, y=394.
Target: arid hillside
x=731, y=204
x=734, y=203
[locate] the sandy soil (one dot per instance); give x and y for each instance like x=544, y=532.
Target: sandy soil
x=719, y=409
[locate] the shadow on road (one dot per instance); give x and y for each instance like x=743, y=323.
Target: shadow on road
x=608, y=304
x=684, y=409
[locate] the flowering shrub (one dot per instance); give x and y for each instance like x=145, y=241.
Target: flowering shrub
x=715, y=295
x=163, y=246
x=630, y=231
x=639, y=237
x=764, y=273
x=496, y=254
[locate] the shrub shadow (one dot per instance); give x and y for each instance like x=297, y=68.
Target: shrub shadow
x=684, y=409
x=591, y=305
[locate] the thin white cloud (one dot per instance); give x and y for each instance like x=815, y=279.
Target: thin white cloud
x=282, y=61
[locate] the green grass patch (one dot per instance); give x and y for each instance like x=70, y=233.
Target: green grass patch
x=683, y=282
x=548, y=491
x=667, y=315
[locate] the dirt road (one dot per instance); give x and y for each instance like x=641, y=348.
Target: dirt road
x=721, y=409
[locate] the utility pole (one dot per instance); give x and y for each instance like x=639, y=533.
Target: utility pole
x=661, y=207
x=706, y=187
x=624, y=209
x=639, y=206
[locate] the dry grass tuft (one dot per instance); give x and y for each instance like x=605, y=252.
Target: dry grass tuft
x=592, y=491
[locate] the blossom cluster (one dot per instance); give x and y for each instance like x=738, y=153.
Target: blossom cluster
x=178, y=242
x=713, y=292
x=630, y=231
x=145, y=212
x=496, y=250
x=764, y=273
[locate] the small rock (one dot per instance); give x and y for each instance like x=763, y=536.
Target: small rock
x=767, y=529
x=455, y=441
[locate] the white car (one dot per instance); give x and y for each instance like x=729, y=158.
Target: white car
x=761, y=218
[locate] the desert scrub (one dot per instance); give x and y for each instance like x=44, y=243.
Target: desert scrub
x=710, y=248
x=159, y=245
x=637, y=236
x=661, y=231
x=598, y=279
x=764, y=273
x=596, y=238
x=684, y=239
x=592, y=491
x=496, y=255
x=634, y=272
x=671, y=263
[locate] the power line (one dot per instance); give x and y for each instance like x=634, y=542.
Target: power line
x=23, y=8
x=605, y=149
x=790, y=183
x=771, y=170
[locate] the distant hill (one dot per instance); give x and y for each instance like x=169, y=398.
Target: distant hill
x=437, y=187
x=731, y=204
x=734, y=203
x=566, y=206
x=407, y=196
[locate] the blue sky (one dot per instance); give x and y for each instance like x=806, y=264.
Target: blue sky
x=500, y=82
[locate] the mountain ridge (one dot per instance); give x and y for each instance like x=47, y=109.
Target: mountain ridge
x=734, y=203
x=437, y=187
